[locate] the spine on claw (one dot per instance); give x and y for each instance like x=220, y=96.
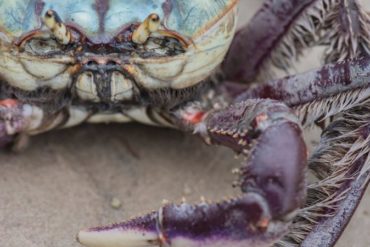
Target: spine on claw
x=269, y=134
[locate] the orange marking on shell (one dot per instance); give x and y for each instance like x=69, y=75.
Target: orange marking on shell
x=194, y=118
x=9, y=103
x=74, y=69
x=263, y=223
x=130, y=69
x=261, y=118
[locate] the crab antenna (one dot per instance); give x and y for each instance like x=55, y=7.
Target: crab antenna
x=57, y=27
x=151, y=25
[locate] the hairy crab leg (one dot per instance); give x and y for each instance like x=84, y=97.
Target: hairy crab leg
x=340, y=88
x=346, y=32
x=267, y=38
x=329, y=229
x=341, y=164
x=281, y=30
x=324, y=82
x=272, y=181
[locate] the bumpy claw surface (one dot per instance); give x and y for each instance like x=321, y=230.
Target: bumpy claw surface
x=269, y=134
x=239, y=222
x=272, y=182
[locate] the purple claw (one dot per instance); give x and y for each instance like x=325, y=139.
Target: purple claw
x=276, y=169
x=272, y=181
x=12, y=120
x=137, y=232
x=270, y=135
x=238, y=222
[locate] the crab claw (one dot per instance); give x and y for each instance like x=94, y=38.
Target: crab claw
x=12, y=120
x=271, y=179
x=138, y=232
x=239, y=222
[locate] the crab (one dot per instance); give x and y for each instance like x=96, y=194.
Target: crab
x=181, y=64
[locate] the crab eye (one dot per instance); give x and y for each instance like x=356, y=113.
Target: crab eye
x=154, y=18
x=42, y=47
x=155, y=40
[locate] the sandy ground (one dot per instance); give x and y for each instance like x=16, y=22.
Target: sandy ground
x=67, y=179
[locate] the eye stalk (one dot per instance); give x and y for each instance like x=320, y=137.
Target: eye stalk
x=57, y=27
x=154, y=22
x=151, y=26
x=145, y=29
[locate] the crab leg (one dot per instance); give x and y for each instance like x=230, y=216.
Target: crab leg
x=19, y=120
x=325, y=82
x=272, y=182
x=13, y=120
x=329, y=229
x=281, y=30
x=341, y=163
x=267, y=38
x=316, y=95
